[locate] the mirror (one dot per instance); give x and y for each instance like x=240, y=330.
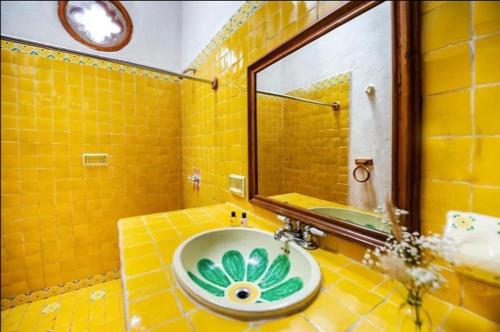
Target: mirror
x=323, y=108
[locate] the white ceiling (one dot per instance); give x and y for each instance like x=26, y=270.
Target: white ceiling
x=167, y=34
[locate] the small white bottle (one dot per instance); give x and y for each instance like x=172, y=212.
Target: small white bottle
x=244, y=221
x=233, y=218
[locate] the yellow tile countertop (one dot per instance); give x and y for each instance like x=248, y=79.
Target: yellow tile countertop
x=352, y=297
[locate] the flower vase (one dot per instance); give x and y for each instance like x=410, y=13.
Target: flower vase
x=412, y=316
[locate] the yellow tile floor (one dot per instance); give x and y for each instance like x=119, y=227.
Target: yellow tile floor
x=95, y=308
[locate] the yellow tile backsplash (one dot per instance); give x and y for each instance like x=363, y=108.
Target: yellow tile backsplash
x=442, y=22
x=58, y=218
x=446, y=69
x=486, y=17
x=487, y=66
x=486, y=101
x=452, y=108
x=460, y=137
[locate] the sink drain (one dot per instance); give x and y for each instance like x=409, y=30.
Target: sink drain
x=242, y=293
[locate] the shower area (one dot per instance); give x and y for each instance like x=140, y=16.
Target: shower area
x=85, y=141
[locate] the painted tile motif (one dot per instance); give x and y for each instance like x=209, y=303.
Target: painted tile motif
x=463, y=222
x=12, y=301
x=217, y=279
x=89, y=61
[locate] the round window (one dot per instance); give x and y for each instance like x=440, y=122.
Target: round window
x=101, y=25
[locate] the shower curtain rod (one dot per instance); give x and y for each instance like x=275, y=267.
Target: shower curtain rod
x=335, y=105
x=213, y=82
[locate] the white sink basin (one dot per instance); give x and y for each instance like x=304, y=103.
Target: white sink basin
x=245, y=273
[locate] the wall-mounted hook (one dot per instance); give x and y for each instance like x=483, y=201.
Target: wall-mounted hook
x=361, y=172
x=370, y=90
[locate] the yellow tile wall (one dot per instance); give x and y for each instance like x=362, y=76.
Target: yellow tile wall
x=271, y=148
x=460, y=145
x=316, y=141
x=58, y=219
x=461, y=130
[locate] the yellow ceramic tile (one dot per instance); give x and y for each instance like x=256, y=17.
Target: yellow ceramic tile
x=487, y=66
x=152, y=310
x=446, y=158
x=320, y=313
x=430, y=5
x=295, y=323
x=139, y=250
x=326, y=7
x=486, y=101
x=142, y=264
x=464, y=320
x=167, y=248
x=486, y=17
x=438, y=197
x=486, y=156
x=353, y=297
x=485, y=199
x=186, y=302
x=361, y=275
x=446, y=69
x=450, y=292
x=135, y=240
x=384, y=316
x=75, y=312
x=366, y=325
x=178, y=325
x=476, y=294
x=329, y=277
x=147, y=284
x=202, y=319
x=439, y=26
x=447, y=114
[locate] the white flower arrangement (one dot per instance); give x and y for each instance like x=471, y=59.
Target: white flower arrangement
x=409, y=257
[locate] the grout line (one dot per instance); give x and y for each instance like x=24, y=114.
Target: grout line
x=472, y=103
x=463, y=136
x=472, y=39
x=473, y=126
x=314, y=325
x=168, y=268
x=445, y=316
x=483, y=186
x=481, y=85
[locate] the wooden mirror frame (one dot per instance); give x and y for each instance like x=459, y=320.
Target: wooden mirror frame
x=406, y=126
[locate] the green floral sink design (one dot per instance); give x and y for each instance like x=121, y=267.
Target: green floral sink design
x=245, y=273
x=235, y=269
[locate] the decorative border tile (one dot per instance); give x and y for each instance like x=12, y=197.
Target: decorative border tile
x=241, y=16
x=29, y=297
x=47, y=53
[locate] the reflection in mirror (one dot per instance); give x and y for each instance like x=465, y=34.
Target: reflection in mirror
x=324, y=122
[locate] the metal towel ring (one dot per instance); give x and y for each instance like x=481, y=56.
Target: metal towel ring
x=362, y=165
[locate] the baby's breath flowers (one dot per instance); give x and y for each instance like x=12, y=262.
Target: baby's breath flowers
x=409, y=258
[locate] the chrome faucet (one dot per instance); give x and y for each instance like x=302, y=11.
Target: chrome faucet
x=303, y=236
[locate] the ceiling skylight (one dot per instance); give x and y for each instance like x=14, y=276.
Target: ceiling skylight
x=102, y=25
